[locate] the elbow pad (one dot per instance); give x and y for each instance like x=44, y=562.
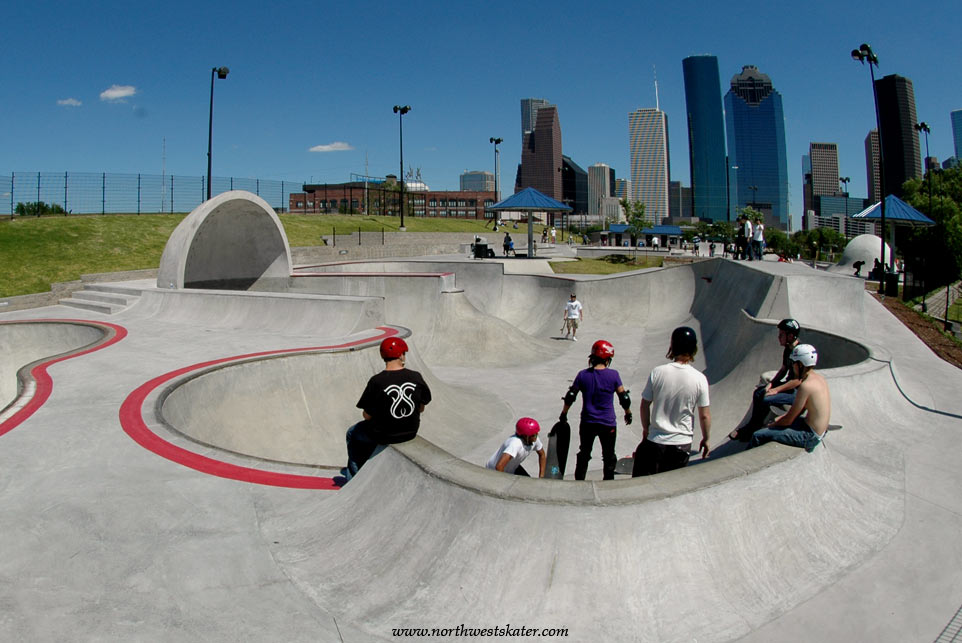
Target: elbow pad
x=625, y=400
x=570, y=396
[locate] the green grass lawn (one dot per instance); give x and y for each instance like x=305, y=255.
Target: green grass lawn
x=36, y=252
x=603, y=267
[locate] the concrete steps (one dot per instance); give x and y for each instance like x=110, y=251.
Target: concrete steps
x=103, y=298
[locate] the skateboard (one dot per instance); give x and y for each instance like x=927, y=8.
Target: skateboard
x=625, y=465
x=559, y=440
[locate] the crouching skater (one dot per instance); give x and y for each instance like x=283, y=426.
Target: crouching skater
x=518, y=447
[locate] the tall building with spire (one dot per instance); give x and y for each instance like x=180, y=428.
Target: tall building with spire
x=650, y=169
x=901, y=154
x=756, y=144
x=706, y=138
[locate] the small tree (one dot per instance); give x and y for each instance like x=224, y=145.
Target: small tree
x=637, y=221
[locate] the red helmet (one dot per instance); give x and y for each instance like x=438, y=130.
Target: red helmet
x=393, y=348
x=527, y=426
x=602, y=349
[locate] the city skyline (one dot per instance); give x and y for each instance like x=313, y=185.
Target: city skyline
x=126, y=89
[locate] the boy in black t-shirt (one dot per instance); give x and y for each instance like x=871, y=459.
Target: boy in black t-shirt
x=781, y=390
x=392, y=403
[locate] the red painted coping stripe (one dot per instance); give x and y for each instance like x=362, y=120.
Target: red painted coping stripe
x=132, y=421
x=371, y=274
x=39, y=372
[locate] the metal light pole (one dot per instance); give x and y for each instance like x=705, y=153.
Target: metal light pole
x=401, y=111
x=924, y=127
x=845, y=180
x=754, y=189
x=862, y=54
x=728, y=179
x=222, y=74
x=497, y=173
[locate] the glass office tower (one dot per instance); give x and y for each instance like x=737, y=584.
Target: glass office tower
x=956, y=116
x=706, y=138
x=901, y=153
x=756, y=144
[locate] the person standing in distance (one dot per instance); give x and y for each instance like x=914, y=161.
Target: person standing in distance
x=598, y=385
x=672, y=396
x=573, y=315
x=392, y=403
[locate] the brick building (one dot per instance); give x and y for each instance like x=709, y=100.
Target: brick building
x=373, y=198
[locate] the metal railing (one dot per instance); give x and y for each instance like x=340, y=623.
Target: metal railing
x=109, y=193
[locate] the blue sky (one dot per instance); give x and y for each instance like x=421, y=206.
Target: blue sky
x=100, y=86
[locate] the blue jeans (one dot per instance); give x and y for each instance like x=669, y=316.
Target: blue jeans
x=762, y=404
x=361, y=445
x=799, y=434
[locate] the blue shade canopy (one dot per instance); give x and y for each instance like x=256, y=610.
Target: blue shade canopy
x=896, y=210
x=529, y=200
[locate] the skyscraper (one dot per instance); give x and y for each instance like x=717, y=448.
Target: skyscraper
x=599, y=187
x=872, y=173
x=706, y=138
x=900, y=141
x=956, y=116
x=650, y=170
x=529, y=114
x=756, y=144
x=477, y=181
x=541, y=155
x=574, y=186
x=622, y=189
x=824, y=158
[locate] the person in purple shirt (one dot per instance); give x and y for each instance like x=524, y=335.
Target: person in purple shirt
x=598, y=385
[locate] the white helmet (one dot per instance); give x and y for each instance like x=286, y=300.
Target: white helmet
x=806, y=354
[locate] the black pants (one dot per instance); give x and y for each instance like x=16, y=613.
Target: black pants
x=587, y=432
x=652, y=458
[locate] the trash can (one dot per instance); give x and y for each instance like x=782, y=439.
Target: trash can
x=480, y=250
x=892, y=284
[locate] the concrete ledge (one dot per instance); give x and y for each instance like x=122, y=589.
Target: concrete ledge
x=440, y=464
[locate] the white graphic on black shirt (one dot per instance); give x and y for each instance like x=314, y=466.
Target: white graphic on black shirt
x=402, y=405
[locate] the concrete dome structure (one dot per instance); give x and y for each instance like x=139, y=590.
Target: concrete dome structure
x=233, y=241
x=864, y=247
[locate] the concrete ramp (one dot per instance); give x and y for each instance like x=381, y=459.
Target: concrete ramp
x=740, y=540
x=320, y=315
x=24, y=343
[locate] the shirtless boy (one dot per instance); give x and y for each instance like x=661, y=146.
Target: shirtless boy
x=812, y=397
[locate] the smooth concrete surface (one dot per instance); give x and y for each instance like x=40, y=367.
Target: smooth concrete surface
x=233, y=240
x=106, y=540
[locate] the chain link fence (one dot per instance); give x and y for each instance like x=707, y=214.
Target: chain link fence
x=108, y=193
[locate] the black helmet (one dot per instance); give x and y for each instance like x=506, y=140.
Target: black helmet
x=684, y=341
x=790, y=326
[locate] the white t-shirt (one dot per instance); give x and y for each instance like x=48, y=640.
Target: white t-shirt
x=759, y=234
x=675, y=391
x=573, y=309
x=517, y=449
x=748, y=229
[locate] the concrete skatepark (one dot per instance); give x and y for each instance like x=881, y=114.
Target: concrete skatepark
x=167, y=469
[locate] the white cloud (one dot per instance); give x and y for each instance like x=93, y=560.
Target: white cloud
x=336, y=146
x=69, y=102
x=117, y=93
